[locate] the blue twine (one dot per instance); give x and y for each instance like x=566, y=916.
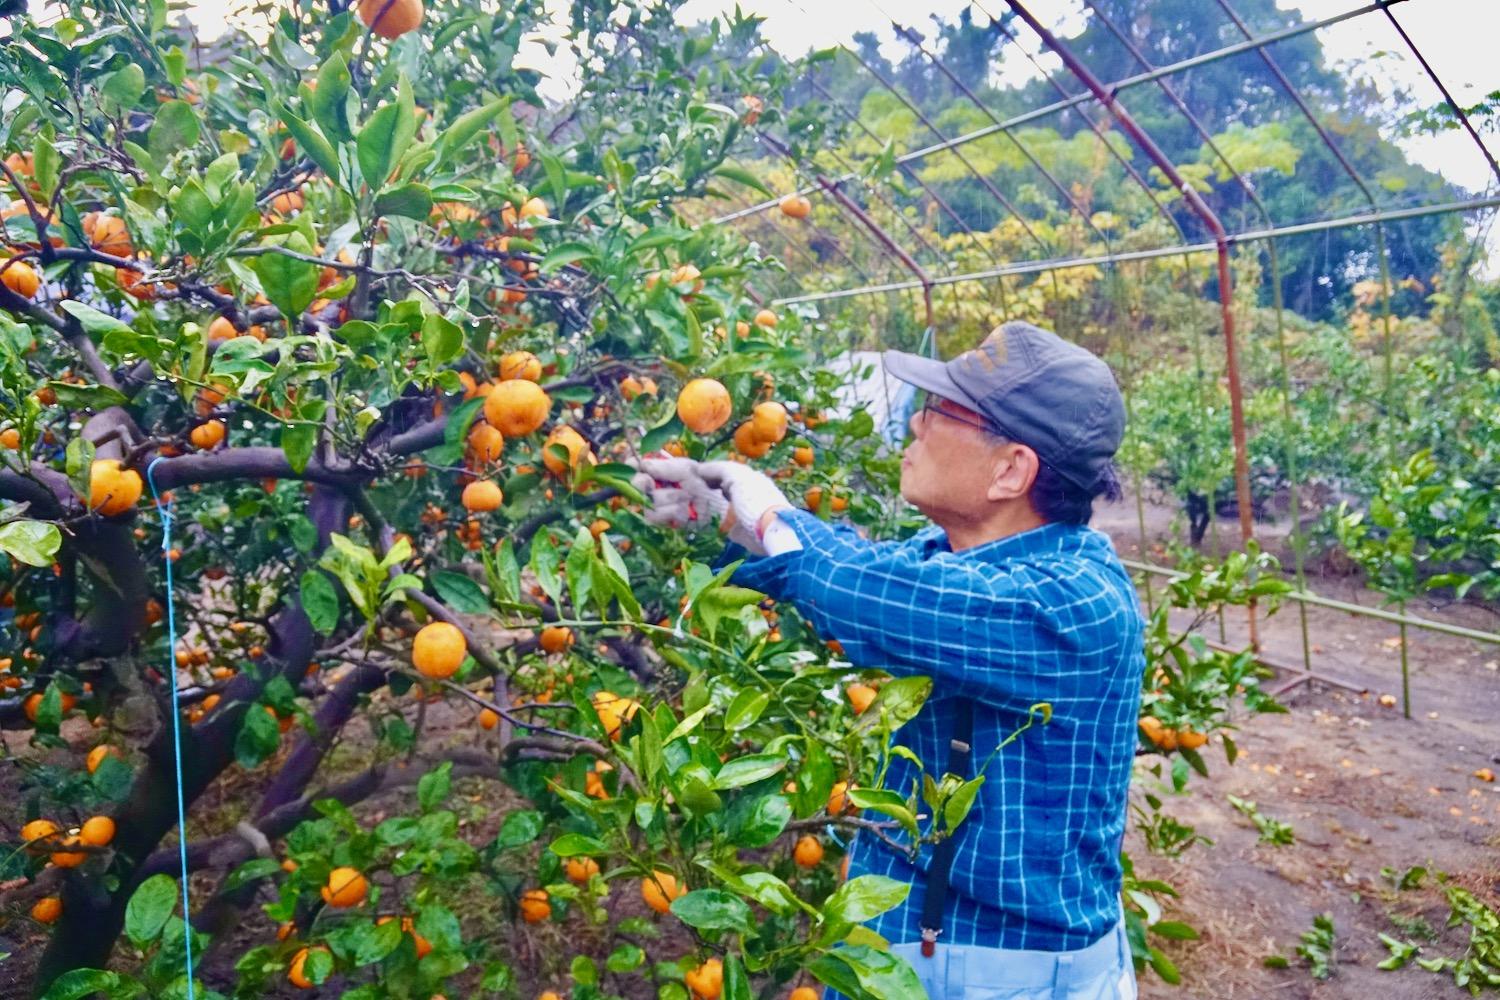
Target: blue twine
x=166, y=546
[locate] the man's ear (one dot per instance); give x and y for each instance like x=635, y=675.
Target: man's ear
x=1015, y=469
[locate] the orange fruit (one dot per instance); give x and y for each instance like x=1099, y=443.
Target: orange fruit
x=707, y=980
x=346, y=887
x=765, y=318
x=517, y=407
x=38, y=829
x=21, y=278
x=70, y=859
x=803, y=993
x=534, y=906
x=580, y=870
x=614, y=711
x=438, y=650
x=47, y=909
x=294, y=974
x=522, y=365
x=107, y=233
x=113, y=490
x=565, y=437
x=97, y=831
x=556, y=638
x=795, y=206
x=704, y=405
x=97, y=755
x=534, y=208
x=838, y=798
x=221, y=330
x=486, y=443
x=33, y=704
x=769, y=421
x=287, y=202
x=860, y=696
x=390, y=18
x=408, y=926
x=1189, y=740
x=659, y=891
x=687, y=274
x=747, y=443
x=809, y=852
x=10, y=438
x=286, y=930
x=488, y=718
x=482, y=495
x=206, y=435
x=803, y=456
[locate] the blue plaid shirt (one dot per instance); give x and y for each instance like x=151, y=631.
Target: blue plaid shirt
x=1048, y=615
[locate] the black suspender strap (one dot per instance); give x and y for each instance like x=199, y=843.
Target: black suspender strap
x=959, y=751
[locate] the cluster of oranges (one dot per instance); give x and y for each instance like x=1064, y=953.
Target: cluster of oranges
x=1169, y=739
x=43, y=836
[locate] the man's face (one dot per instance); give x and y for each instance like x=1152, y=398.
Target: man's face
x=949, y=465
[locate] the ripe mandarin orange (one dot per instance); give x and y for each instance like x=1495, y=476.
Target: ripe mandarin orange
x=704, y=405
x=517, y=407
x=438, y=650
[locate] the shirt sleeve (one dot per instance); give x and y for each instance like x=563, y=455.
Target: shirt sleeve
x=980, y=628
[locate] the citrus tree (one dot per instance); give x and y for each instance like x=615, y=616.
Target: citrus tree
x=321, y=352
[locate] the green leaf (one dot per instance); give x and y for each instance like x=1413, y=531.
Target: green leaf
x=744, y=177
x=465, y=127
x=45, y=163
x=176, y=127
x=743, y=771
x=961, y=802
x=311, y=140
x=760, y=821
x=571, y=845
x=736, y=982
x=289, y=283
x=34, y=543
x=251, y=871
x=442, y=339
x=433, y=787
x=297, y=442
x=1174, y=930
x=564, y=254
x=329, y=98
x=411, y=201
x=519, y=828
x=320, y=600
x=124, y=86
x=625, y=958
x=76, y=984
x=95, y=323
x=876, y=974
x=713, y=910
x=258, y=738
x=745, y=709
x=460, y=593
x=383, y=140
x=149, y=908
x=864, y=898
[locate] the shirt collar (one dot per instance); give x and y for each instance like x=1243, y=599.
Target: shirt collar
x=1046, y=538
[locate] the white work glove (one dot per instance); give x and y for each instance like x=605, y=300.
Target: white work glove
x=679, y=496
x=752, y=495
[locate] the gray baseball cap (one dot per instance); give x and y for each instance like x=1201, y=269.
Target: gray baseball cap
x=1033, y=388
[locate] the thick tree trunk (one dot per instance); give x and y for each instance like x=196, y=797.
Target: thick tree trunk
x=92, y=920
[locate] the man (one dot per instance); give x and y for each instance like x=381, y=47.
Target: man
x=1007, y=601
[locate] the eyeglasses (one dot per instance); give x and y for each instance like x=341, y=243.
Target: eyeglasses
x=932, y=405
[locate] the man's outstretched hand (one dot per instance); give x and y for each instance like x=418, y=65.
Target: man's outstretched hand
x=746, y=498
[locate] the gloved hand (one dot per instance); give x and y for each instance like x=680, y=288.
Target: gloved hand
x=679, y=496
x=752, y=494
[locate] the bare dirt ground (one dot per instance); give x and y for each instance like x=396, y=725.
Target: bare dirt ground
x=1363, y=787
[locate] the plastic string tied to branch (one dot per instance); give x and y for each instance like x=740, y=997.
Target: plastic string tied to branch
x=165, y=510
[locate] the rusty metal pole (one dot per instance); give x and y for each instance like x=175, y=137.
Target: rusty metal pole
x=1221, y=246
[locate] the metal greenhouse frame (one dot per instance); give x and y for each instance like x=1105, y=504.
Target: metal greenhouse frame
x=1080, y=91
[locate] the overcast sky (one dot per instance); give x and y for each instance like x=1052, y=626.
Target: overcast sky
x=1458, y=37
